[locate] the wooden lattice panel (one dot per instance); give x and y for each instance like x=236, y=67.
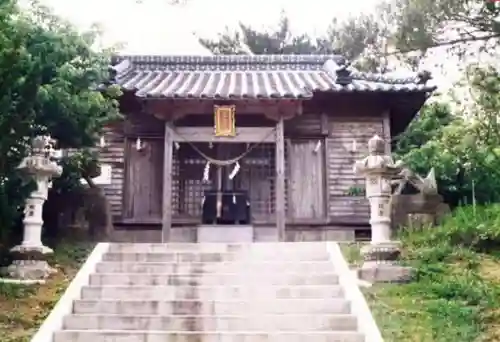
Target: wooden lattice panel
x=257, y=175
x=190, y=179
x=175, y=182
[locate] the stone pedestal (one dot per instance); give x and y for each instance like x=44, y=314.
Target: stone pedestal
x=381, y=256
x=29, y=263
x=30, y=256
x=225, y=233
x=381, y=263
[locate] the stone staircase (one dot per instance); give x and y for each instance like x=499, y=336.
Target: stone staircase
x=275, y=292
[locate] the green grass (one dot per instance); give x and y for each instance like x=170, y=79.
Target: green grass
x=352, y=253
x=23, y=308
x=456, y=292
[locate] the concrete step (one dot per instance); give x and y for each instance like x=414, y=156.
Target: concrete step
x=270, y=323
x=265, y=279
x=205, y=336
x=211, y=293
x=227, y=307
x=212, y=257
x=216, y=247
x=169, y=247
x=199, y=267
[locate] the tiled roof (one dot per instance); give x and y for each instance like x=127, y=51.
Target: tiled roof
x=241, y=76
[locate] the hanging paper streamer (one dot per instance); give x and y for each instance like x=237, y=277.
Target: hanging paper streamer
x=318, y=146
x=138, y=144
x=235, y=171
x=206, y=173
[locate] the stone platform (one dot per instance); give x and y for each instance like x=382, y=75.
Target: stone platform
x=225, y=233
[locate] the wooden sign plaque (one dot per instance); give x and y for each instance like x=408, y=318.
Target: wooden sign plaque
x=224, y=121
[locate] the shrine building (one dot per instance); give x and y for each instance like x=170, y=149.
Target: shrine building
x=248, y=148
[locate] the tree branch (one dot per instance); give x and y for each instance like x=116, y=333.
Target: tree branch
x=448, y=43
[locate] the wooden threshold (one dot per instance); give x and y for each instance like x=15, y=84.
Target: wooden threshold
x=332, y=224
x=345, y=220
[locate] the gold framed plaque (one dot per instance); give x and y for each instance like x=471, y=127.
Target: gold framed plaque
x=224, y=121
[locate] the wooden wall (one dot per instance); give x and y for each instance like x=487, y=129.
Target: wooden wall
x=119, y=152
x=143, y=180
x=343, y=136
x=346, y=143
x=314, y=143
x=113, y=154
x=306, y=179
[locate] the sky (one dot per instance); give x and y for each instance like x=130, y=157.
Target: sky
x=154, y=26
x=157, y=27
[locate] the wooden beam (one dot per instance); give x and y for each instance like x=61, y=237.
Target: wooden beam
x=325, y=124
x=175, y=109
x=387, y=131
x=280, y=180
x=167, y=183
x=243, y=134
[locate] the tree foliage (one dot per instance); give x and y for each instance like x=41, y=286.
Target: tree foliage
x=396, y=27
x=50, y=75
x=423, y=24
x=463, y=149
x=359, y=39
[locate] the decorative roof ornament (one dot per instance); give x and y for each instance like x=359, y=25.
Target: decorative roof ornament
x=119, y=69
x=344, y=74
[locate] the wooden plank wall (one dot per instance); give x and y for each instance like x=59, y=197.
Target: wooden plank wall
x=306, y=186
x=306, y=125
x=144, y=180
x=113, y=154
x=305, y=191
x=117, y=139
x=346, y=143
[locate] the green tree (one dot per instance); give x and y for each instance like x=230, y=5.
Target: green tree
x=428, y=125
x=463, y=149
x=424, y=24
x=359, y=39
x=50, y=77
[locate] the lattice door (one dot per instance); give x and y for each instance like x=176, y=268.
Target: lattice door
x=190, y=179
x=258, y=176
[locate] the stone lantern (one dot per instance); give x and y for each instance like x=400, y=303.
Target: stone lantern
x=29, y=257
x=381, y=255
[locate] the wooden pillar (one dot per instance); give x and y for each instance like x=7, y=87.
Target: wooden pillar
x=387, y=131
x=167, y=183
x=280, y=180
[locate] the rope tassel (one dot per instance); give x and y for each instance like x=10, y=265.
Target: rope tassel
x=228, y=161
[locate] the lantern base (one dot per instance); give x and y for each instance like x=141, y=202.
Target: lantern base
x=381, y=264
x=36, y=252
x=29, y=270
x=29, y=263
